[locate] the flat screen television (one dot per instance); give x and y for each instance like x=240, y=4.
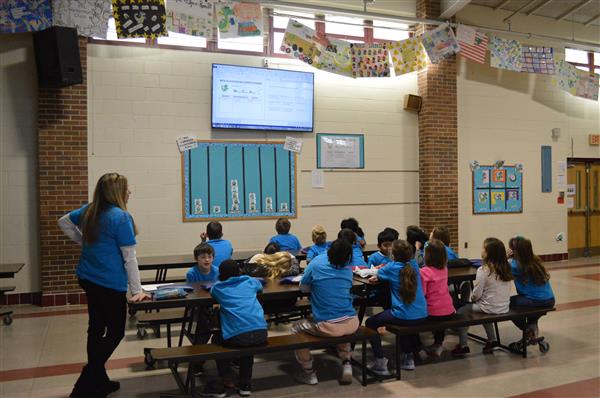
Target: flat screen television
x=252, y=98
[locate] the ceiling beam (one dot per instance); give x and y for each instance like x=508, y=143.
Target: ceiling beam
x=589, y=21
x=524, y=6
x=538, y=7
x=452, y=7
x=572, y=10
x=501, y=4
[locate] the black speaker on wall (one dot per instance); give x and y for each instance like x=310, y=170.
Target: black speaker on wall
x=57, y=57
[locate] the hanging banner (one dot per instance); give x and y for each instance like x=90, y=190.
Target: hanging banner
x=89, y=17
x=407, y=55
x=440, y=43
x=537, y=60
x=587, y=85
x=140, y=18
x=25, y=15
x=335, y=57
x=505, y=54
x=369, y=60
x=300, y=42
x=236, y=19
x=566, y=77
x=476, y=50
x=191, y=17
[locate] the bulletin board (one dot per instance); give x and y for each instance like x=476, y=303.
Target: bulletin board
x=497, y=190
x=238, y=180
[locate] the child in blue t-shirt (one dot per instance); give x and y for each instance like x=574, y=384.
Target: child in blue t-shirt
x=358, y=258
x=533, y=287
x=319, y=238
x=242, y=325
x=329, y=280
x=442, y=233
x=204, y=270
x=408, y=305
x=286, y=241
x=352, y=223
x=384, y=244
x=223, y=248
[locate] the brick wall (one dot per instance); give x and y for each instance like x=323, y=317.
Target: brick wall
x=438, y=139
x=62, y=182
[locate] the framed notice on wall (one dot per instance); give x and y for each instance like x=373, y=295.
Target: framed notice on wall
x=238, y=180
x=497, y=190
x=340, y=151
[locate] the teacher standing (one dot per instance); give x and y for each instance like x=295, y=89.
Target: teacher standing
x=107, y=268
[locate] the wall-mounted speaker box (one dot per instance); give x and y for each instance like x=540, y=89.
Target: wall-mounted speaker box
x=412, y=103
x=57, y=57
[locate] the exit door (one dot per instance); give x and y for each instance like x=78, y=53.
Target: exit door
x=584, y=208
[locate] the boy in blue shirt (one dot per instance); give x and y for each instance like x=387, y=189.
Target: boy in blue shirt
x=204, y=270
x=242, y=325
x=319, y=238
x=223, y=248
x=384, y=243
x=358, y=258
x=328, y=279
x=442, y=233
x=286, y=241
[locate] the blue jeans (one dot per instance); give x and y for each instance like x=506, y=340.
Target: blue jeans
x=522, y=301
x=408, y=343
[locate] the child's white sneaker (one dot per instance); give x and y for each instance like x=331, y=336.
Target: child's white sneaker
x=380, y=367
x=408, y=362
x=346, y=373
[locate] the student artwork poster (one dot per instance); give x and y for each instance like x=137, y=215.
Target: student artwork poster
x=440, y=43
x=513, y=200
x=190, y=17
x=481, y=202
x=235, y=19
x=498, y=178
x=145, y=18
x=497, y=197
x=25, y=15
x=300, y=41
x=89, y=17
x=482, y=177
x=335, y=57
x=370, y=60
x=513, y=177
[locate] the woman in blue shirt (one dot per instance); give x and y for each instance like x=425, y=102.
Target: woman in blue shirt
x=408, y=305
x=107, y=267
x=533, y=285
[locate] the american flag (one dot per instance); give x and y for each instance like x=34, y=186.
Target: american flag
x=476, y=51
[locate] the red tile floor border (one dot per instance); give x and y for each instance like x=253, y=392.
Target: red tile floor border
x=593, y=277
x=579, y=389
x=51, y=313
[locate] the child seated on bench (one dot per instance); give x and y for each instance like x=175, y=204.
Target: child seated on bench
x=533, y=286
x=214, y=234
x=384, y=244
x=434, y=276
x=408, y=306
x=328, y=279
x=352, y=224
x=286, y=241
x=491, y=294
x=203, y=271
x=242, y=325
x=319, y=238
x=358, y=258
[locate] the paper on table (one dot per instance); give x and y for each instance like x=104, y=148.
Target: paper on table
x=318, y=178
x=154, y=286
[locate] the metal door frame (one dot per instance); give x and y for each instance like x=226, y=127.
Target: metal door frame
x=587, y=162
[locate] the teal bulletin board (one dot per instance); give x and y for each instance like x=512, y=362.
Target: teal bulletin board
x=238, y=180
x=497, y=190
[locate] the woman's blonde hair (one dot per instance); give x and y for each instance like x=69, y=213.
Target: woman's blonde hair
x=319, y=235
x=111, y=190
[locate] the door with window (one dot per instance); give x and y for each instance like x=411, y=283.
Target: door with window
x=584, y=208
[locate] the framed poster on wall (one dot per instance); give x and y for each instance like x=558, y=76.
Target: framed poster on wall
x=497, y=190
x=340, y=151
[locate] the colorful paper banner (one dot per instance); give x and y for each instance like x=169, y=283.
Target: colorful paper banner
x=440, y=43
x=25, y=15
x=537, y=60
x=236, y=19
x=407, y=55
x=369, y=60
x=140, y=18
x=191, y=17
x=505, y=54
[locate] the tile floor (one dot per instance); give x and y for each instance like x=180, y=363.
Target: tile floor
x=43, y=350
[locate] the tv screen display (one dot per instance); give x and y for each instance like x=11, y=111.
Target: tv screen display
x=252, y=98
